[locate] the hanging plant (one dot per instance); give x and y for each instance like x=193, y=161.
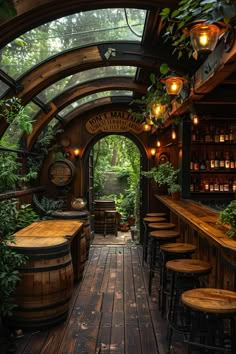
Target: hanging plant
x=175, y=21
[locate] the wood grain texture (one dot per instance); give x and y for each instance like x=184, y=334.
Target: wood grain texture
x=210, y=300
x=194, y=266
x=178, y=247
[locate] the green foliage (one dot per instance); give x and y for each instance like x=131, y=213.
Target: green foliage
x=228, y=216
x=176, y=20
x=50, y=205
x=7, y=10
x=13, y=111
x=164, y=174
x=12, y=219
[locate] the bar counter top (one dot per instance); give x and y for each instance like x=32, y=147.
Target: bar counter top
x=202, y=219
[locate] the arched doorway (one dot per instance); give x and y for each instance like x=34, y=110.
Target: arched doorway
x=88, y=160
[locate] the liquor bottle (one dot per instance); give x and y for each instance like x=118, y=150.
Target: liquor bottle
x=231, y=184
x=221, y=186
x=216, y=185
x=234, y=186
x=196, y=185
x=193, y=135
x=207, y=135
x=226, y=186
x=192, y=162
x=222, y=161
x=227, y=134
x=192, y=185
x=207, y=162
x=206, y=185
x=196, y=163
x=211, y=186
x=231, y=135
x=227, y=160
x=202, y=164
x=212, y=161
x=232, y=161
x=217, y=161
x=222, y=135
x=217, y=135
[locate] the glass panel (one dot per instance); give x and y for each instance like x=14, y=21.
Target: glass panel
x=53, y=90
x=3, y=88
x=93, y=97
x=70, y=32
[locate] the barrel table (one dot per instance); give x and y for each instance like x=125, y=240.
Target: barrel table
x=72, y=230
x=46, y=282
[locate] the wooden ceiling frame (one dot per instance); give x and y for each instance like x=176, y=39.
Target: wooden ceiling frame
x=31, y=13
x=75, y=93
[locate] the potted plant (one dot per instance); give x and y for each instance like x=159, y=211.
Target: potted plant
x=164, y=175
x=175, y=190
x=189, y=11
x=228, y=217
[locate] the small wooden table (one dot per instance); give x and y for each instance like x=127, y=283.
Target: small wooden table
x=72, y=230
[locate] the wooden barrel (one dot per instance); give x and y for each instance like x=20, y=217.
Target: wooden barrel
x=46, y=282
x=83, y=216
x=100, y=206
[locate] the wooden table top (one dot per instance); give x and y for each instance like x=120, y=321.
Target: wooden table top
x=201, y=218
x=37, y=242
x=194, y=266
x=210, y=300
x=178, y=247
x=51, y=228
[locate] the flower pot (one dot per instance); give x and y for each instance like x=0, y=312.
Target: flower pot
x=175, y=195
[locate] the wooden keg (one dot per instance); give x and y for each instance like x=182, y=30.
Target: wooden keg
x=100, y=206
x=83, y=216
x=46, y=282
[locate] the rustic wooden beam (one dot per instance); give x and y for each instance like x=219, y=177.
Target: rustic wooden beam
x=76, y=93
x=31, y=13
x=217, y=67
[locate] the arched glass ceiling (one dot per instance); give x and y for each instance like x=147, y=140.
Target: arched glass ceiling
x=93, y=97
x=58, y=87
x=69, y=32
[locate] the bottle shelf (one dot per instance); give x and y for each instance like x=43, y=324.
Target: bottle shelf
x=213, y=192
x=228, y=171
x=212, y=144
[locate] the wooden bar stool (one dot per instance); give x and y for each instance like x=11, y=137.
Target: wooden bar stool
x=169, y=251
x=161, y=226
x=213, y=320
x=185, y=275
x=156, y=214
x=146, y=221
x=158, y=238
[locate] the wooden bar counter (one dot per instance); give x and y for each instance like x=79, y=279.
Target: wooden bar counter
x=72, y=230
x=199, y=225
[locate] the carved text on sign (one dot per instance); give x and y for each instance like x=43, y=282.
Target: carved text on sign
x=114, y=121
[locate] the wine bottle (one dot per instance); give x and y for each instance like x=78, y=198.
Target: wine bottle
x=222, y=161
x=196, y=163
x=227, y=160
x=217, y=161
x=217, y=135
x=232, y=161
x=222, y=135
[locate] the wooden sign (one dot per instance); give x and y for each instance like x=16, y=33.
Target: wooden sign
x=115, y=122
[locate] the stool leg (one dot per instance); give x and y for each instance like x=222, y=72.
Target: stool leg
x=145, y=244
x=151, y=265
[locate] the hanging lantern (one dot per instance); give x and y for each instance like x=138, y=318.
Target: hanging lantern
x=157, y=109
x=153, y=152
x=147, y=127
x=174, y=84
x=195, y=119
x=158, y=143
x=204, y=36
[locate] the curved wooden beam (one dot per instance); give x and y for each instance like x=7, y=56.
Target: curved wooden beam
x=80, y=59
x=31, y=13
x=77, y=92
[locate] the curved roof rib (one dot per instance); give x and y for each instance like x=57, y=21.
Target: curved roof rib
x=77, y=92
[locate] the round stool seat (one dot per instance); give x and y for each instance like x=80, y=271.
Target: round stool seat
x=156, y=214
x=210, y=300
x=188, y=266
x=177, y=247
x=161, y=226
x=164, y=234
x=153, y=219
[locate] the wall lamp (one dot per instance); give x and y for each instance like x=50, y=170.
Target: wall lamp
x=173, y=83
x=173, y=133
x=158, y=143
x=147, y=127
x=153, y=152
x=195, y=119
x=76, y=152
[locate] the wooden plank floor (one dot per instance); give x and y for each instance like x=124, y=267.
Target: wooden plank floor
x=111, y=311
